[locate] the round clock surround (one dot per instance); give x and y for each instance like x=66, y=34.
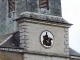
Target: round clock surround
x=46, y=39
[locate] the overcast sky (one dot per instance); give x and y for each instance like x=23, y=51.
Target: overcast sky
x=71, y=12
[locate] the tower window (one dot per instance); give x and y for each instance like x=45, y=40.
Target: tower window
x=11, y=5
x=44, y=4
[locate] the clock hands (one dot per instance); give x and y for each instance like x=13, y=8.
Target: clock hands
x=47, y=40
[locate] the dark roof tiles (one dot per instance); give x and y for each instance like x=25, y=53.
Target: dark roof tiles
x=73, y=52
x=13, y=41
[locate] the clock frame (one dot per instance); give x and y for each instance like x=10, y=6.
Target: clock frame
x=46, y=39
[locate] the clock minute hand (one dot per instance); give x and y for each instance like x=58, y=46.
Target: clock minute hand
x=47, y=41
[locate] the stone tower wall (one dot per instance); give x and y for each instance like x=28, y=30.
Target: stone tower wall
x=33, y=6
x=7, y=25
x=3, y=16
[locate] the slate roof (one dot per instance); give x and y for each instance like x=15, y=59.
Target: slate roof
x=42, y=17
x=10, y=40
x=2, y=38
x=73, y=52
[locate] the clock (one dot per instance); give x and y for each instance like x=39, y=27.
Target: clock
x=46, y=39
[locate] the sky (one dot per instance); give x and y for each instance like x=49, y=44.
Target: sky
x=71, y=13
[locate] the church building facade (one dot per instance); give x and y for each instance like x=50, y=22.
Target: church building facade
x=34, y=30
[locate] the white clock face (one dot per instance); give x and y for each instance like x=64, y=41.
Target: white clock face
x=46, y=39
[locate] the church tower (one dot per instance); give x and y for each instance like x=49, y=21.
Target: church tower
x=43, y=37
x=43, y=34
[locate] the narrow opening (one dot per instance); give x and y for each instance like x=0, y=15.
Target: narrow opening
x=11, y=7
x=44, y=4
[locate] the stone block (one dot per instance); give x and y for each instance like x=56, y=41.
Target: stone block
x=67, y=39
x=22, y=41
x=23, y=24
x=66, y=36
x=66, y=29
x=21, y=30
x=24, y=44
x=66, y=42
x=67, y=46
x=67, y=53
x=23, y=34
x=24, y=30
x=66, y=49
x=24, y=27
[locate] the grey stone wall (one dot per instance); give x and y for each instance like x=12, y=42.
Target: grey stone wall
x=40, y=57
x=33, y=6
x=4, y=55
x=7, y=25
x=54, y=7
x=20, y=6
x=56, y=10
x=3, y=16
x=30, y=32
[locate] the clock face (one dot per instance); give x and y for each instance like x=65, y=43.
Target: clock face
x=46, y=39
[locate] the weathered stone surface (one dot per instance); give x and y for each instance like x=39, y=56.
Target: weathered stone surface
x=39, y=57
x=33, y=46
x=10, y=56
x=7, y=25
x=32, y=5
x=20, y=6
x=35, y=31
x=3, y=15
x=43, y=17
